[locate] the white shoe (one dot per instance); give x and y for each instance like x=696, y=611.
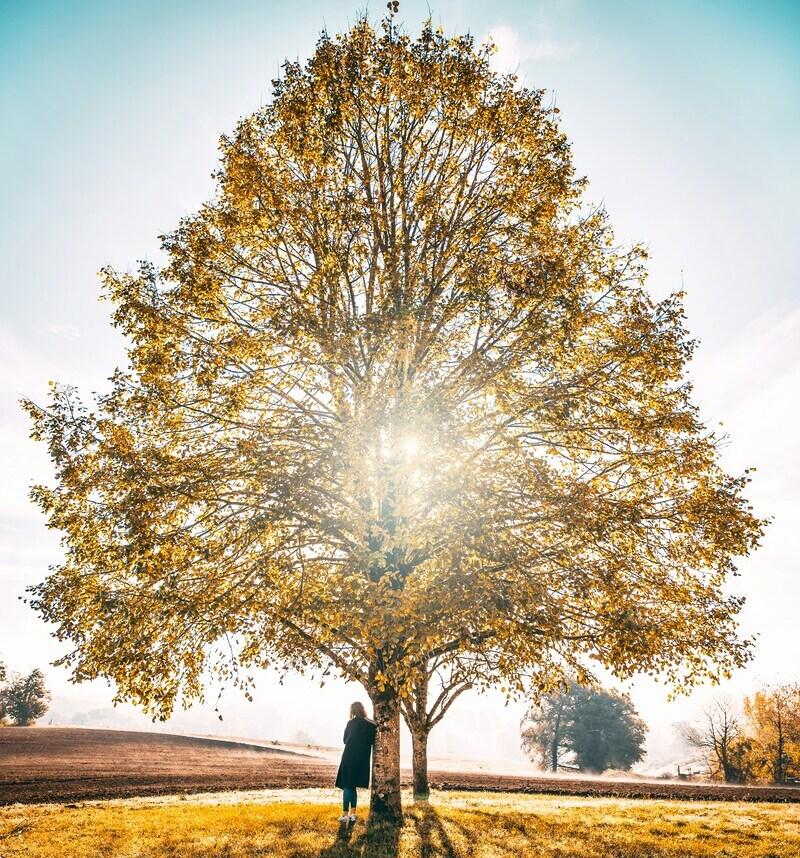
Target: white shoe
x=353, y=818
x=344, y=818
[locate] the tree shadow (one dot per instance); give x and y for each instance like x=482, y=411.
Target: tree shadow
x=380, y=839
x=342, y=846
x=434, y=839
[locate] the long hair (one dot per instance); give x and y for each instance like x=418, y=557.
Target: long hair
x=357, y=708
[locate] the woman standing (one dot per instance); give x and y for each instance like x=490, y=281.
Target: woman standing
x=354, y=769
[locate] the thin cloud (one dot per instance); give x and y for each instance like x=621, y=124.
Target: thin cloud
x=66, y=332
x=764, y=356
x=513, y=50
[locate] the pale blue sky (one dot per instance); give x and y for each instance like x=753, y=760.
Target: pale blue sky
x=684, y=116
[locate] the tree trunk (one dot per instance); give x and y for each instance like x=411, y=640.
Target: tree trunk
x=778, y=767
x=419, y=750
x=385, y=803
x=419, y=727
x=556, y=741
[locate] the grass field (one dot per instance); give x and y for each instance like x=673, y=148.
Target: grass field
x=302, y=823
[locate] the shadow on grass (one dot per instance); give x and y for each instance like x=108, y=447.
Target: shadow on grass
x=434, y=840
x=528, y=835
x=381, y=839
x=428, y=834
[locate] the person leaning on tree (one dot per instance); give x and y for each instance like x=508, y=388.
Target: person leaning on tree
x=354, y=769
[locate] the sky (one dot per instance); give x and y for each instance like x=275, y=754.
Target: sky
x=685, y=118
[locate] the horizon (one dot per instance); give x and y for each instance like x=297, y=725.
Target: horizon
x=113, y=117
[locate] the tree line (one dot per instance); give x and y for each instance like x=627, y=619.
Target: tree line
x=757, y=741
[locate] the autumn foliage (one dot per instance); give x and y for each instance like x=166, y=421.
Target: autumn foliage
x=772, y=719
x=395, y=395
x=758, y=742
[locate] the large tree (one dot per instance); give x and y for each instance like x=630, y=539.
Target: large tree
x=395, y=394
x=3, y=675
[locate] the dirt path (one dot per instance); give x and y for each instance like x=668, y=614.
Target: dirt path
x=61, y=764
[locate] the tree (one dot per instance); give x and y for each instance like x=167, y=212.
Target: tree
x=422, y=715
x=596, y=729
x=543, y=731
x=719, y=735
x=450, y=675
x=25, y=699
x=773, y=721
x=606, y=732
x=395, y=395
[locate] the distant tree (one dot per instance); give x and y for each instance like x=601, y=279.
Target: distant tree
x=543, y=730
x=596, y=729
x=773, y=723
x=25, y=699
x=719, y=734
x=606, y=732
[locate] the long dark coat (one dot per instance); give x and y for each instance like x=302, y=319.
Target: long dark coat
x=354, y=769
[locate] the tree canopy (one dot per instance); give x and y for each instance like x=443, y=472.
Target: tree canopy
x=395, y=393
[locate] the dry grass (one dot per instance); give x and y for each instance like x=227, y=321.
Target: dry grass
x=301, y=824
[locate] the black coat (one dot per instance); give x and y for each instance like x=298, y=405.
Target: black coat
x=354, y=769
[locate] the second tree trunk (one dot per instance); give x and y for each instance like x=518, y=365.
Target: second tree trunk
x=419, y=750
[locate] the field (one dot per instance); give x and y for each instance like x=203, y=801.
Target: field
x=191, y=797
x=70, y=764
x=453, y=825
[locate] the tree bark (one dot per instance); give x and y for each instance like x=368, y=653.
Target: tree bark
x=385, y=802
x=419, y=751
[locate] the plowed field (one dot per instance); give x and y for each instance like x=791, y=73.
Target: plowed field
x=55, y=764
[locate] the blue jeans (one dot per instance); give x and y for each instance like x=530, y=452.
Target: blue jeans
x=349, y=798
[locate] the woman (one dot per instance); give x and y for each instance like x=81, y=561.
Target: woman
x=359, y=737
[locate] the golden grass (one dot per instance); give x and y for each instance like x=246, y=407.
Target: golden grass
x=454, y=825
